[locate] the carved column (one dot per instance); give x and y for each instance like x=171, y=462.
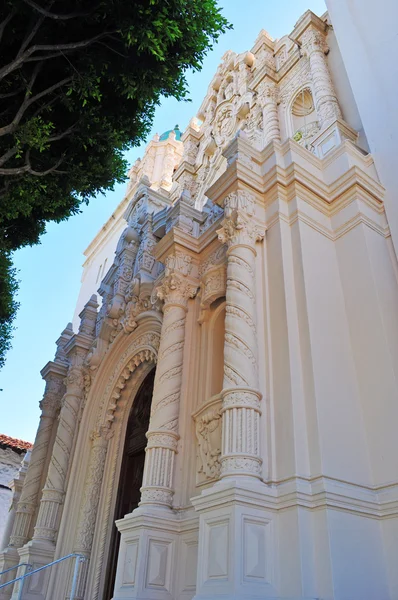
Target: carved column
x=268, y=101
x=53, y=492
x=234, y=514
x=326, y=104
x=241, y=398
x=54, y=374
x=29, y=496
x=54, y=489
x=91, y=496
x=162, y=436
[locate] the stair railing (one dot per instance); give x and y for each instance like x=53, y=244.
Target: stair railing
x=15, y=567
x=79, y=559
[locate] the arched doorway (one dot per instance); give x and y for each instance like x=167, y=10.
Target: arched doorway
x=131, y=472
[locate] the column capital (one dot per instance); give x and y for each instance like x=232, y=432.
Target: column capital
x=267, y=93
x=177, y=287
x=74, y=381
x=238, y=227
x=53, y=393
x=312, y=41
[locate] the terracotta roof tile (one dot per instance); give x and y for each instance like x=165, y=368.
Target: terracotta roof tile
x=14, y=443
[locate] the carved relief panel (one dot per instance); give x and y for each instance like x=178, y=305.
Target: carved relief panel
x=208, y=436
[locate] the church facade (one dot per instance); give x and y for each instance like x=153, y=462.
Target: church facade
x=221, y=423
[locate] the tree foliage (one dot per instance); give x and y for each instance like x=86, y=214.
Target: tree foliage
x=79, y=82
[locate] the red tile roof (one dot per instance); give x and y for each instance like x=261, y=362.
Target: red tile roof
x=17, y=445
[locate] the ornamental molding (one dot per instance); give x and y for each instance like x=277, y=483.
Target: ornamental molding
x=313, y=40
x=216, y=258
x=208, y=427
x=143, y=348
x=212, y=286
x=238, y=226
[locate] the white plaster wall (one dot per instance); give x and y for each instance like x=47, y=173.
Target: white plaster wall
x=9, y=465
x=343, y=89
x=366, y=32
x=103, y=250
x=5, y=501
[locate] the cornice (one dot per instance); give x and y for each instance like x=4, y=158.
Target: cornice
x=329, y=233
x=308, y=19
x=55, y=368
x=78, y=341
x=310, y=493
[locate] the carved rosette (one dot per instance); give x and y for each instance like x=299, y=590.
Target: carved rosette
x=240, y=446
x=268, y=100
x=175, y=291
x=29, y=495
x=326, y=103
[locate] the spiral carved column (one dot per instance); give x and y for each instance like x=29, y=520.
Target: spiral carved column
x=326, y=103
x=162, y=436
x=53, y=492
x=268, y=101
x=240, y=453
x=28, y=501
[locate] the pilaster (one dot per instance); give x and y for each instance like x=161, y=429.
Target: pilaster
x=176, y=289
x=41, y=549
x=267, y=91
x=54, y=374
x=310, y=34
x=149, y=547
x=88, y=511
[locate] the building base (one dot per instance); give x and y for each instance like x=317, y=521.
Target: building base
x=236, y=540
x=37, y=555
x=8, y=558
x=157, y=555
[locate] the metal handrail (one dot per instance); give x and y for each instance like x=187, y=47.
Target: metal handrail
x=79, y=559
x=15, y=567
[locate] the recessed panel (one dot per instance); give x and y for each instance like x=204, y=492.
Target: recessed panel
x=130, y=564
x=158, y=557
x=255, y=550
x=218, y=551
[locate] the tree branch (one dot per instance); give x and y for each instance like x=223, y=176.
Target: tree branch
x=11, y=94
x=30, y=36
x=11, y=127
x=7, y=155
x=48, y=171
x=60, y=136
x=5, y=22
x=27, y=168
x=47, y=13
x=19, y=60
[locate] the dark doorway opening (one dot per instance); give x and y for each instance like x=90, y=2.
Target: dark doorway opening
x=131, y=473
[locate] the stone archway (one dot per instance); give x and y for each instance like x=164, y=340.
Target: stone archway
x=96, y=463
x=133, y=366
x=131, y=472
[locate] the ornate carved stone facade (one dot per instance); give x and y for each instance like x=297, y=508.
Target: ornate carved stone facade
x=254, y=281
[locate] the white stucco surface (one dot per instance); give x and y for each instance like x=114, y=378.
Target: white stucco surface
x=10, y=463
x=367, y=35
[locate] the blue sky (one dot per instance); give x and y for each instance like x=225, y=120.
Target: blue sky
x=50, y=272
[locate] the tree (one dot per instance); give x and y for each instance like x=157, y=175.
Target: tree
x=79, y=83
